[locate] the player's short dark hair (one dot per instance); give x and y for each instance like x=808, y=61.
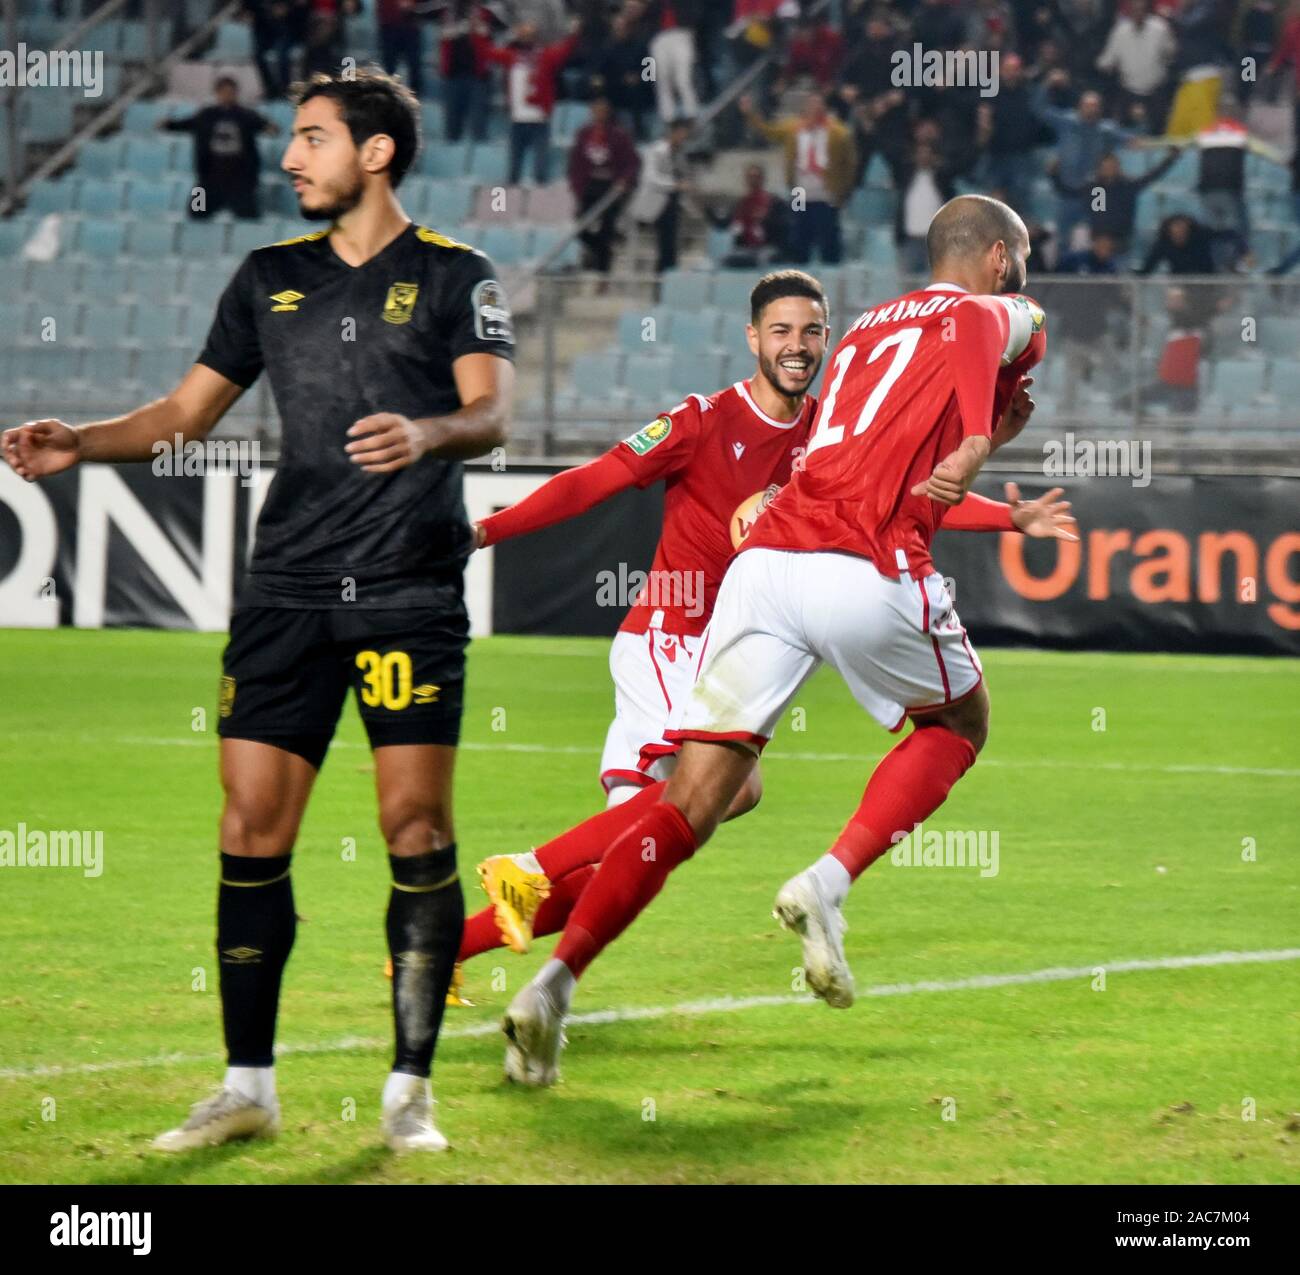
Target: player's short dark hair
x=785, y=283
x=969, y=226
x=371, y=102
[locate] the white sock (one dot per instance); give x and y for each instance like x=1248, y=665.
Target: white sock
x=399, y=1084
x=833, y=877
x=257, y=1083
x=528, y=862
x=558, y=979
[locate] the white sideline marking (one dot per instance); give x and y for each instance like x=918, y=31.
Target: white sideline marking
x=578, y=750
x=722, y=1005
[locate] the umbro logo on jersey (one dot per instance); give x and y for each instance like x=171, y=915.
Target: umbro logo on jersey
x=286, y=300
x=739, y=449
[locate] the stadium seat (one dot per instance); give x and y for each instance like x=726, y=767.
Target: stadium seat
x=50, y=321
x=247, y=236
x=50, y=119
x=54, y=196
x=506, y=245
x=488, y=163
x=101, y=158
x=49, y=365
x=202, y=238
x=99, y=237
x=149, y=196
x=640, y=331
x=696, y=373
x=446, y=161
x=1239, y=380
x=134, y=45
x=731, y=290
x=55, y=280
x=695, y=329
x=143, y=116
x=148, y=156
x=151, y=240
x=234, y=43
x=204, y=284
x=101, y=324
x=738, y=367
x=687, y=289
x=1284, y=380
x=647, y=377
x=159, y=370
x=448, y=202
x=1279, y=335
x=105, y=281
x=156, y=326
x=13, y=277
x=107, y=370
x=13, y=319
x=596, y=375
x=100, y=197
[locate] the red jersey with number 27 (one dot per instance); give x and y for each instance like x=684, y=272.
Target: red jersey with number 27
x=909, y=380
x=714, y=453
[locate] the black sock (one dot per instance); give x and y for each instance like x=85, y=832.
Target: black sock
x=255, y=930
x=426, y=914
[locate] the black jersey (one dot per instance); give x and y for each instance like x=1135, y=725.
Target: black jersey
x=340, y=342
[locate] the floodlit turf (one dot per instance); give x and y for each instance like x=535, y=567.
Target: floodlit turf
x=1115, y=844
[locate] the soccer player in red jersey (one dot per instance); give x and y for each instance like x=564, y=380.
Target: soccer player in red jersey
x=721, y=457
x=837, y=570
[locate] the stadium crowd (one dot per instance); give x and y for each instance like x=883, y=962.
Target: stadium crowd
x=1069, y=87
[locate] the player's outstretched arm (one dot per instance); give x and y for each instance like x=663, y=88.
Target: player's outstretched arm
x=564, y=496
x=41, y=448
x=386, y=441
x=1047, y=517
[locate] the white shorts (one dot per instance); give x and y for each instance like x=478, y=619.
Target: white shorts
x=897, y=643
x=653, y=673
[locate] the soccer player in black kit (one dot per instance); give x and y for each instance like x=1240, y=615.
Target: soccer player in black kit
x=389, y=350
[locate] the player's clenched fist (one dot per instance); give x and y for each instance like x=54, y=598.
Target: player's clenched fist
x=386, y=442
x=40, y=448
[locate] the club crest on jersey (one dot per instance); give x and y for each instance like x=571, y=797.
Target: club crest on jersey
x=492, y=319
x=399, y=305
x=286, y=300
x=645, y=440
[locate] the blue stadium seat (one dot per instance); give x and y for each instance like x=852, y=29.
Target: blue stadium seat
x=143, y=116
x=731, y=290
x=1284, y=380
x=14, y=273
x=13, y=320
x=697, y=374
x=506, y=245
x=99, y=237
x=160, y=284
x=245, y=236
x=148, y=156
x=49, y=365
x=156, y=326
x=488, y=163
x=50, y=321
x=597, y=375
x=633, y=329
x=695, y=329
x=447, y=159
x=280, y=114
x=101, y=158
x=159, y=370
x=105, y=282
x=205, y=238
x=1239, y=380
x=687, y=289
x=448, y=202
x=152, y=240
x=101, y=325
x=107, y=370
x=234, y=43
x=135, y=41
x=204, y=284
x=100, y=197
x=55, y=280
x=646, y=377
x=1280, y=335
x=54, y=196
x=49, y=118
x=149, y=196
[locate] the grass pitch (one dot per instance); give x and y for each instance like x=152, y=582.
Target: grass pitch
x=1169, y=833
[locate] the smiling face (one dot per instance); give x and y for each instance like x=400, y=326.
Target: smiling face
x=789, y=342
x=324, y=162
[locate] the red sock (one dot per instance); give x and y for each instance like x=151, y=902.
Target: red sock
x=482, y=934
x=479, y=935
x=910, y=784
x=631, y=874
x=590, y=839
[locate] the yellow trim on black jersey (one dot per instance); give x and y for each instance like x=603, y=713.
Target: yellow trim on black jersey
x=425, y=235
x=315, y=234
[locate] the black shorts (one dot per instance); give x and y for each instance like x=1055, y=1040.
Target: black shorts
x=286, y=673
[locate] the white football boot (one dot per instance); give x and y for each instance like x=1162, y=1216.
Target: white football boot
x=802, y=907
x=534, y=1029
x=227, y=1115
x=408, y=1120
